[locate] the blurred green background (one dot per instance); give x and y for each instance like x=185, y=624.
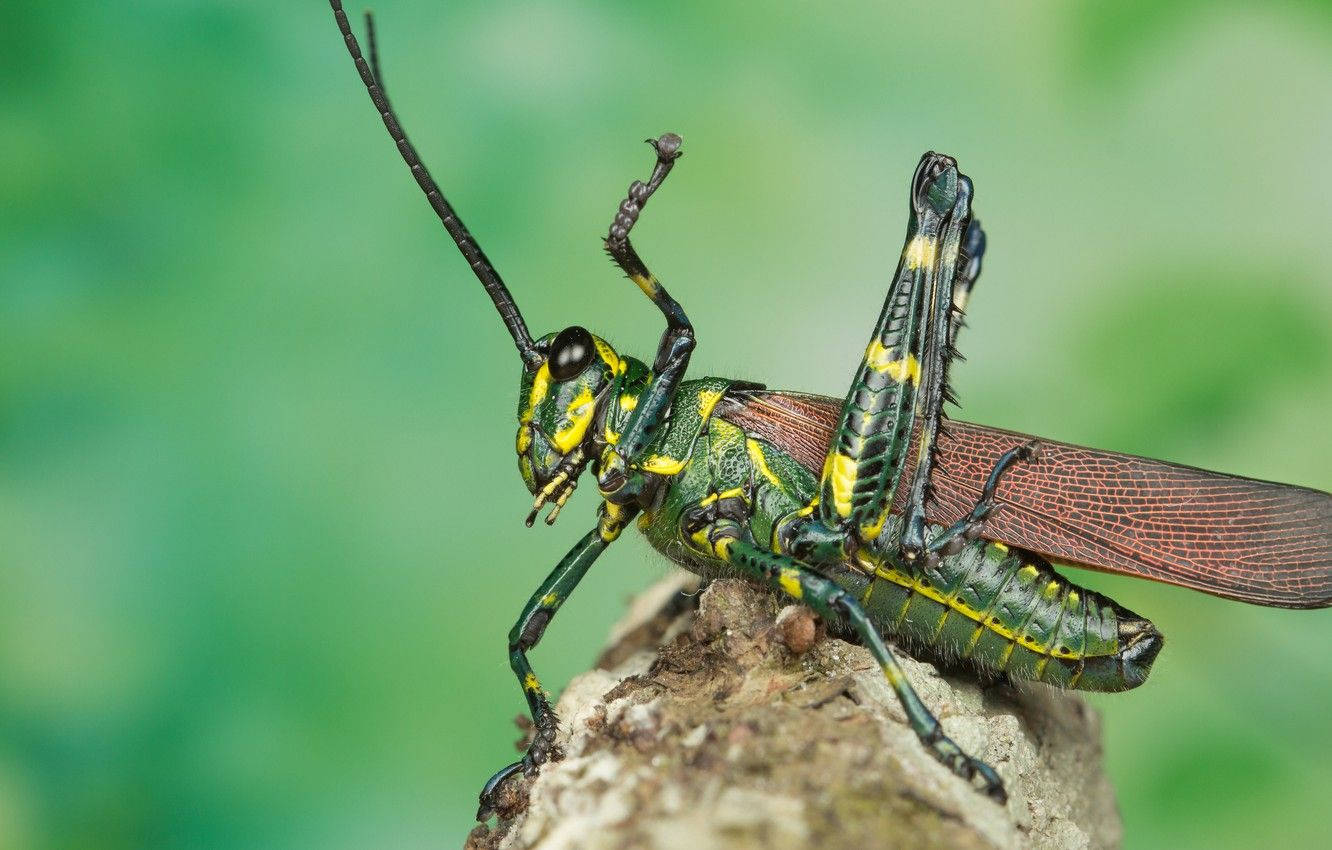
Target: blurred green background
x=261, y=522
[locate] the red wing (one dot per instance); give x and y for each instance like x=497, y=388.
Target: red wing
x=1255, y=541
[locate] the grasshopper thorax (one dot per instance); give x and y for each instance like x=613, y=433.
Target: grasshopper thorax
x=560, y=405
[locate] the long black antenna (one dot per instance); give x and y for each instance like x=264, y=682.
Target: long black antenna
x=471, y=251
x=373, y=44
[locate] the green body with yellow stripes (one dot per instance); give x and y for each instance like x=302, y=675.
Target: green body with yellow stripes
x=721, y=500
x=1002, y=609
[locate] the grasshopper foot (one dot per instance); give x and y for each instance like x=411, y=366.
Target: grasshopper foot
x=981, y=776
x=493, y=798
x=667, y=146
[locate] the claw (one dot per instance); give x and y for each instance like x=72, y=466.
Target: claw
x=667, y=146
x=487, y=804
x=979, y=774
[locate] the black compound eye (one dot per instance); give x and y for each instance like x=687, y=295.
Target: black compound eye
x=570, y=353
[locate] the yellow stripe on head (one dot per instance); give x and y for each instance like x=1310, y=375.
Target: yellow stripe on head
x=540, y=387
x=608, y=355
x=580, y=414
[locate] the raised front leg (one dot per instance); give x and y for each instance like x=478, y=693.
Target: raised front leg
x=526, y=633
x=617, y=476
x=726, y=539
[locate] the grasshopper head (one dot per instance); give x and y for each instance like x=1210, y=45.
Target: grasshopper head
x=558, y=404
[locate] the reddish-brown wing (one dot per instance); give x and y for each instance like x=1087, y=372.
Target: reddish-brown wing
x=1255, y=541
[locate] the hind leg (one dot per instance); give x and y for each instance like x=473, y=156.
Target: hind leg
x=871, y=440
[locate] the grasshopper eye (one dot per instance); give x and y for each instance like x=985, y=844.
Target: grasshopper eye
x=570, y=353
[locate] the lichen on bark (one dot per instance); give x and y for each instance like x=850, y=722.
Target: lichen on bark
x=720, y=719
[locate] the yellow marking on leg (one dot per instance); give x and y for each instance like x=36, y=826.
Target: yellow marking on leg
x=648, y=284
x=874, y=529
x=842, y=476
x=612, y=521
x=531, y=684
x=891, y=675
x=550, y=599
x=880, y=359
x=921, y=251
x=580, y=414
x=789, y=579
x=700, y=540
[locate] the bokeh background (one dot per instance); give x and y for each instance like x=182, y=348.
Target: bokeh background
x=260, y=524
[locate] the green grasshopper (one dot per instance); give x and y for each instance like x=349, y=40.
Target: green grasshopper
x=868, y=509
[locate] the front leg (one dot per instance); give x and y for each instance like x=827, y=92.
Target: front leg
x=526, y=633
x=618, y=474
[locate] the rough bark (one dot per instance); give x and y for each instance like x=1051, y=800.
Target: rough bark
x=716, y=720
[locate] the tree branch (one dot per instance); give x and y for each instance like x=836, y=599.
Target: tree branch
x=751, y=728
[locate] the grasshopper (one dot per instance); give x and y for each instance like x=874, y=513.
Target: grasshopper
x=869, y=509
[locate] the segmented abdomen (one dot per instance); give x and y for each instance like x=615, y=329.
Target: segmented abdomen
x=1009, y=610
